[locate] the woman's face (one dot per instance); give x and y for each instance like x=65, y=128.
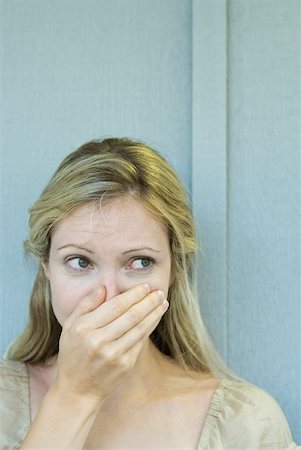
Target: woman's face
x=118, y=245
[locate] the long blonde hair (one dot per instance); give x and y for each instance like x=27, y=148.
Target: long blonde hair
x=109, y=169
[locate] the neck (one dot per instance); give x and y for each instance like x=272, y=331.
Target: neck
x=143, y=384
x=147, y=373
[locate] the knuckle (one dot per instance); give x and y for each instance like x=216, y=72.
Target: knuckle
x=113, y=360
x=118, y=307
x=78, y=328
x=142, y=328
x=124, y=364
x=94, y=345
x=134, y=316
x=107, y=355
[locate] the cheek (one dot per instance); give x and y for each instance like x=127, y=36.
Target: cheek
x=65, y=297
x=161, y=280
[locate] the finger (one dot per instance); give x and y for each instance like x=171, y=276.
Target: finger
x=89, y=303
x=116, y=307
x=137, y=334
x=132, y=317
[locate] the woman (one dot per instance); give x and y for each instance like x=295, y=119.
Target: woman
x=115, y=354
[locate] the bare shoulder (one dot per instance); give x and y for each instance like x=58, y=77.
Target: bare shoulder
x=190, y=393
x=200, y=385
x=178, y=380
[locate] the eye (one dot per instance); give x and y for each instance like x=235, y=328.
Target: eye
x=79, y=263
x=141, y=263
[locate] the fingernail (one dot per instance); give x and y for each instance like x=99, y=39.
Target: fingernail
x=160, y=295
x=165, y=305
x=146, y=288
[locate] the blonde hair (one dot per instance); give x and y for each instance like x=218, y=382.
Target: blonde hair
x=104, y=170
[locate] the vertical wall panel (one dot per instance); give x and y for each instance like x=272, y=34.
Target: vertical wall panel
x=264, y=302
x=246, y=187
x=209, y=160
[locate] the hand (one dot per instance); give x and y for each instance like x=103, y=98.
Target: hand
x=100, y=341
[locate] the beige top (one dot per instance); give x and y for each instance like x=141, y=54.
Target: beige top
x=241, y=416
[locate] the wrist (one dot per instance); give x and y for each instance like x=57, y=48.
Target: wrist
x=64, y=419
x=70, y=398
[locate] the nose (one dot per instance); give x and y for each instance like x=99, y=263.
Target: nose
x=112, y=284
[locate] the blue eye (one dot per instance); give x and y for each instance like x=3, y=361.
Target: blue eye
x=142, y=263
x=78, y=263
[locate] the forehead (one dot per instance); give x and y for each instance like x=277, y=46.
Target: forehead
x=124, y=219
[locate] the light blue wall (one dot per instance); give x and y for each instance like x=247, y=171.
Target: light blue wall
x=246, y=187
x=264, y=171
x=74, y=70
x=215, y=85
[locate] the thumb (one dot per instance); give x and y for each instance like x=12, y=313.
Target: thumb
x=87, y=304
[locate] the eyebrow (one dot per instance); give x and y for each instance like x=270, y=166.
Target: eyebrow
x=141, y=249
x=76, y=246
